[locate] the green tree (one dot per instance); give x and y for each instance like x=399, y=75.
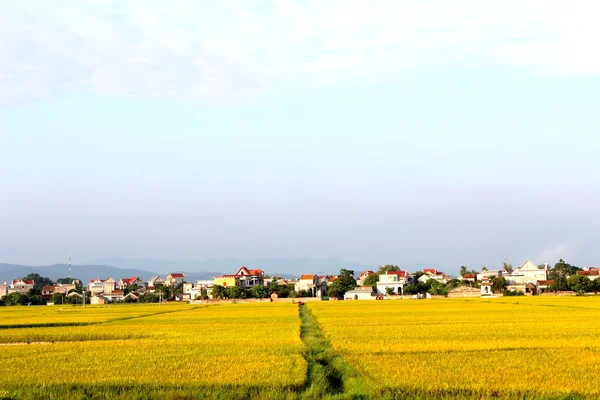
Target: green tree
x=259, y=292
x=463, y=270
x=304, y=293
x=235, y=292
x=16, y=299
x=219, y=292
x=437, y=288
x=389, y=290
x=344, y=283
x=580, y=284
x=58, y=298
x=38, y=281
x=498, y=284
x=507, y=266
x=385, y=268
x=371, y=280
x=67, y=280
x=484, y=268
x=563, y=270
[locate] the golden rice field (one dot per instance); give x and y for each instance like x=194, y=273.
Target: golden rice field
x=181, y=349
x=513, y=348
x=532, y=347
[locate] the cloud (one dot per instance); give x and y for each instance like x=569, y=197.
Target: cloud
x=231, y=49
x=553, y=254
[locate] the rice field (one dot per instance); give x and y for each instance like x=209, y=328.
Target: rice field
x=527, y=347
x=155, y=351
x=512, y=348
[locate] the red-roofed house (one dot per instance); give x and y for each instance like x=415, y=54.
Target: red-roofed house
x=250, y=277
x=21, y=285
x=592, y=273
x=393, y=279
x=134, y=280
x=174, y=279
x=432, y=273
x=363, y=275
x=48, y=291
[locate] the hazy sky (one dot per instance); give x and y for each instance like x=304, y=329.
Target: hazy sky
x=449, y=132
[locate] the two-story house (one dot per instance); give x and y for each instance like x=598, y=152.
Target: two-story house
x=432, y=273
x=100, y=286
x=174, y=279
x=526, y=277
x=363, y=275
x=131, y=281
x=312, y=284
x=21, y=285
x=393, y=279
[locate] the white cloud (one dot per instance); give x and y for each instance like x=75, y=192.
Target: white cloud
x=553, y=254
x=227, y=49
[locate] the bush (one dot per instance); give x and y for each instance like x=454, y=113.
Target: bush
x=513, y=293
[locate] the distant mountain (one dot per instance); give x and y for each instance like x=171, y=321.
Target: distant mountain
x=8, y=272
x=118, y=267
x=281, y=266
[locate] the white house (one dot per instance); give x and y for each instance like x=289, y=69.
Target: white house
x=100, y=286
x=174, y=279
x=525, y=277
x=393, y=279
x=134, y=280
x=156, y=280
x=311, y=283
x=360, y=293
x=21, y=286
x=432, y=273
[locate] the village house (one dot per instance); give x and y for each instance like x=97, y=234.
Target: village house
x=361, y=293
x=363, y=275
x=432, y=273
x=526, y=277
x=65, y=288
x=174, y=279
x=491, y=273
x=97, y=300
x=393, y=279
x=115, y=295
x=244, y=278
x=156, y=280
x=21, y=286
x=592, y=273
x=3, y=289
x=134, y=280
x=100, y=286
x=468, y=278
x=311, y=283
x=48, y=291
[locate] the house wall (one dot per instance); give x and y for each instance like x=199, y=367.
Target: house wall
x=225, y=281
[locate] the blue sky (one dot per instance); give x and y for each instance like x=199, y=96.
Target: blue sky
x=402, y=132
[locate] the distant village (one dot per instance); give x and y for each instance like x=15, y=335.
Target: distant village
x=388, y=282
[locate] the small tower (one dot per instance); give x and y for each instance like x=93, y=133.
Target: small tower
x=486, y=287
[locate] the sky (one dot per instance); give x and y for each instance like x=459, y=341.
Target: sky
x=444, y=132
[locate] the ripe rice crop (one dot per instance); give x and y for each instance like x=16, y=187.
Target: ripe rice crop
x=471, y=348
x=193, y=350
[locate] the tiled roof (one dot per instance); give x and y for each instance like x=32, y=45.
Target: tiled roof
x=432, y=271
x=307, y=277
x=399, y=273
x=177, y=275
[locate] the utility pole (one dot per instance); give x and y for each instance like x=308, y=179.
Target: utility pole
x=70, y=277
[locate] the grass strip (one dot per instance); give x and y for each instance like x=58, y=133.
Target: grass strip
x=329, y=375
